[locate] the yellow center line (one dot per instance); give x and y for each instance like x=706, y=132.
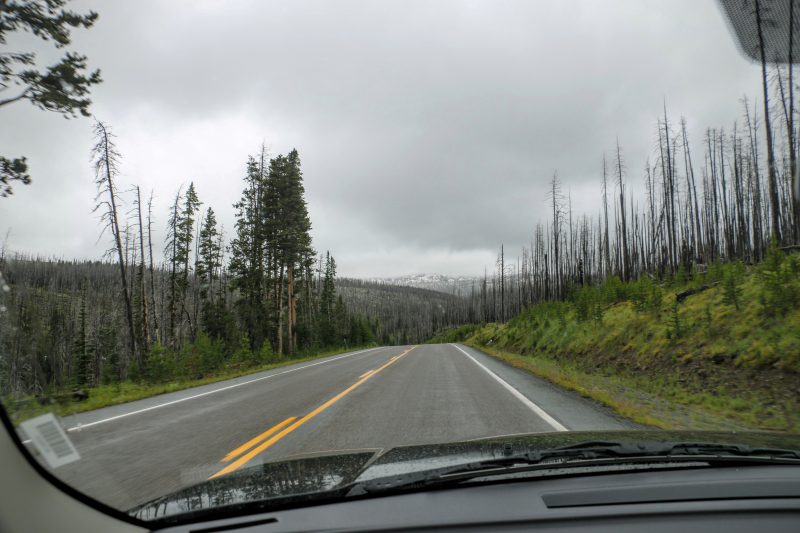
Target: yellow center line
x=249, y=444
x=275, y=438
x=365, y=374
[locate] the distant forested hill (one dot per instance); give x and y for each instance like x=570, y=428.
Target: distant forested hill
x=63, y=317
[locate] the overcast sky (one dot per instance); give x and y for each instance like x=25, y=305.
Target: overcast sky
x=427, y=130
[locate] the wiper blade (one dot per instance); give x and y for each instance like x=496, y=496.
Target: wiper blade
x=602, y=449
x=589, y=453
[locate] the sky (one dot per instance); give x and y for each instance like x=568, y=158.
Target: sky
x=428, y=130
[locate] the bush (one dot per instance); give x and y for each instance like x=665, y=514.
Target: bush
x=208, y=354
x=243, y=355
x=588, y=304
x=159, y=364
x=779, y=278
x=264, y=355
x=731, y=280
x=646, y=296
x=613, y=291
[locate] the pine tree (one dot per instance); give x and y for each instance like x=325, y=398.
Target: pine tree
x=209, y=259
x=327, y=301
x=62, y=87
x=178, y=251
x=294, y=240
x=248, y=256
x=214, y=315
x=81, y=350
x=185, y=234
x=171, y=253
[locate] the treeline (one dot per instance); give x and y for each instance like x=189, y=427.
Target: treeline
x=210, y=305
x=730, y=205
x=403, y=314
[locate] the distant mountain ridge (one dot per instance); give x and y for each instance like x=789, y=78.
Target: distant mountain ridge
x=436, y=282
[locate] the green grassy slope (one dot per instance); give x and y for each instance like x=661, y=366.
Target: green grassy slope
x=726, y=357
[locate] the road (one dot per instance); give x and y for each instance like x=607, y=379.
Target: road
x=376, y=398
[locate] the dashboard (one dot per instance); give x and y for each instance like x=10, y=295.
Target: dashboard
x=731, y=499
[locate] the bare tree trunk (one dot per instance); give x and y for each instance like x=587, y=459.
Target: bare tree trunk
x=606, y=249
x=151, y=268
x=142, y=290
x=625, y=254
x=290, y=305
x=115, y=230
x=173, y=288
x=771, y=173
x=279, y=285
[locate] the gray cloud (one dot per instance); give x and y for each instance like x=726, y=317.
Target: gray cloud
x=428, y=130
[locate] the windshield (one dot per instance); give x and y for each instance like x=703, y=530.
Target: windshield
x=283, y=240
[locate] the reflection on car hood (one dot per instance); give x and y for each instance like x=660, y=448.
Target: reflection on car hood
x=322, y=473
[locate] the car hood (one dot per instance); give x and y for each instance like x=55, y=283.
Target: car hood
x=305, y=477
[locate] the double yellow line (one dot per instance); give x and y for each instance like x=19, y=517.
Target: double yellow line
x=277, y=432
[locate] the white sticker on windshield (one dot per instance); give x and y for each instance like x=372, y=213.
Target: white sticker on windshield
x=50, y=439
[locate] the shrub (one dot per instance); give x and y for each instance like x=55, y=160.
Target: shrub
x=588, y=304
x=646, y=296
x=613, y=290
x=209, y=353
x=779, y=278
x=242, y=355
x=731, y=291
x=159, y=364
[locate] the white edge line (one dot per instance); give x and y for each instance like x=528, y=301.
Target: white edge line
x=517, y=394
x=82, y=426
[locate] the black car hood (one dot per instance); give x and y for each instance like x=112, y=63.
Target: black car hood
x=319, y=473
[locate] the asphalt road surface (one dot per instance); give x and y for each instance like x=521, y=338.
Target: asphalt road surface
x=376, y=398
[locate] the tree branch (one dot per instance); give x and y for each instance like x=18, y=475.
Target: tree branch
x=15, y=98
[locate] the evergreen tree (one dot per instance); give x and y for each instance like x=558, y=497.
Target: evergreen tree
x=185, y=234
x=81, y=350
x=327, y=302
x=171, y=253
x=209, y=259
x=62, y=87
x=178, y=251
x=215, y=320
x=247, y=262
x=293, y=231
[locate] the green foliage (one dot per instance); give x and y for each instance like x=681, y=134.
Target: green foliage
x=209, y=258
x=62, y=87
x=647, y=296
x=675, y=328
x=731, y=289
x=265, y=355
x=613, y=290
x=209, y=354
x=459, y=334
x=779, y=276
x=706, y=354
x=15, y=169
x=716, y=272
x=681, y=276
x=361, y=332
x=588, y=304
x=185, y=236
x=327, y=303
x=243, y=354
x=160, y=364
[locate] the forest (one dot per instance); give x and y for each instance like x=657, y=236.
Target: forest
x=264, y=295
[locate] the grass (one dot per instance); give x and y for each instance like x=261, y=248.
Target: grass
x=727, y=357
x=128, y=391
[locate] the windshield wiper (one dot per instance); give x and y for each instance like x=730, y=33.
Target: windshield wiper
x=589, y=453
